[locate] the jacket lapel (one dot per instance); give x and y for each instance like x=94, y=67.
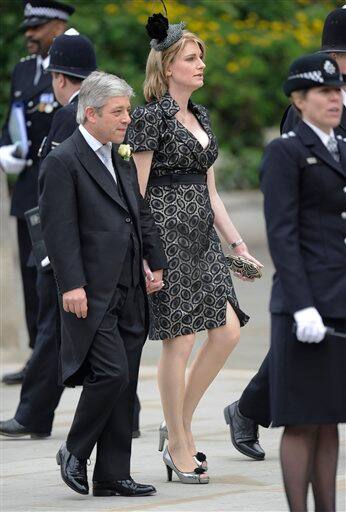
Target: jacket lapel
x=95, y=168
x=124, y=169
x=314, y=143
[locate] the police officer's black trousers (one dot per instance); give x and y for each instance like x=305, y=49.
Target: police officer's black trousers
x=104, y=414
x=29, y=276
x=254, y=402
x=40, y=392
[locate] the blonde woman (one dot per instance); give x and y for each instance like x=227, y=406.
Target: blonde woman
x=174, y=151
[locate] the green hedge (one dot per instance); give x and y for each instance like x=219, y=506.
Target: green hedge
x=250, y=46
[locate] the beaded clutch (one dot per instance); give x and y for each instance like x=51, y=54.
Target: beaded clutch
x=243, y=266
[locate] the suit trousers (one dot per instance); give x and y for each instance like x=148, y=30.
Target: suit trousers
x=254, y=402
x=29, y=276
x=104, y=415
x=40, y=393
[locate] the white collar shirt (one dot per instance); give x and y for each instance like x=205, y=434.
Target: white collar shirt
x=73, y=96
x=324, y=137
x=103, y=151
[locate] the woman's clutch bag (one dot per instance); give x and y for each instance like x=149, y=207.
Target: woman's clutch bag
x=243, y=266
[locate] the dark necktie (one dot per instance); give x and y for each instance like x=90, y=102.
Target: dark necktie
x=38, y=74
x=333, y=149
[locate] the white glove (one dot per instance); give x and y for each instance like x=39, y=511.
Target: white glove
x=310, y=327
x=9, y=163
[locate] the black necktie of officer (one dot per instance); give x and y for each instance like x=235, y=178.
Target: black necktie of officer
x=333, y=149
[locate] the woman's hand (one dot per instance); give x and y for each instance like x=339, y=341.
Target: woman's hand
x=242, y=250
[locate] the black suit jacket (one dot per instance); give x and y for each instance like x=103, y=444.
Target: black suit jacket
x=291, y=118
x=38, y=122
x=86, y=227
x=305, y=208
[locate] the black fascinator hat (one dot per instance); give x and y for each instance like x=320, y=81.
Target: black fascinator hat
x=161, y=32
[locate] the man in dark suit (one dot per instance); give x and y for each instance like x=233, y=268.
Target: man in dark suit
x=31, y=90
x=72, y=58
x=252, y=409
x=98, y=229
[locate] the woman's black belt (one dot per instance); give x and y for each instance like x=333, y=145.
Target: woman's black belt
x=177, y=179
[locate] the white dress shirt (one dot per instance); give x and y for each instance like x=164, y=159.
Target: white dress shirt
x=103, y=151
x=320, y=133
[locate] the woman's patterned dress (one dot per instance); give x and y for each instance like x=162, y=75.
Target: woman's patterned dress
x=197, y=282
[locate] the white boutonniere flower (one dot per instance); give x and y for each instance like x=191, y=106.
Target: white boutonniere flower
x=125, y=151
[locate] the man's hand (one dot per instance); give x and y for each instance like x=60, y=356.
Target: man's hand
x=153, y=279
x=10, y=163
x=310, y=327
x=75, y=301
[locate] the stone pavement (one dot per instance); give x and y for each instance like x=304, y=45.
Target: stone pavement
x=31, y=479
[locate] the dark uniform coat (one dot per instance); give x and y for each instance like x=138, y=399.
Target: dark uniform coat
x=39, y=106
x=87, y=228
x=40, y=393
x=305, y=208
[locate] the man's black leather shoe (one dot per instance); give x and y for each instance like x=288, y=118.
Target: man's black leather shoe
x=73, y=470
x=11, y=428
x=15, y=377
x=244, y=432
x=122, y=488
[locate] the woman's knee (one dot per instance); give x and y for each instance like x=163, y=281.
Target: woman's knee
x=180, y=347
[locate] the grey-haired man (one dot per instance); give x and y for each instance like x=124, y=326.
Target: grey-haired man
x=98, y=230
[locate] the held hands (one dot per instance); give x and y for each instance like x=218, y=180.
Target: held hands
x=242, y=250
x=75, y=301
x=10, y=163
x=153, y=279
x=310, y=327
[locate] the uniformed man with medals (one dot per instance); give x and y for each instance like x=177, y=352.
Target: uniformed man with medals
x=31, y=109
x=72, y=58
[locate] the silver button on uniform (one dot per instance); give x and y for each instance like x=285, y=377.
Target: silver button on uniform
x=344, y=189
x=128, y=220
x=343, y=215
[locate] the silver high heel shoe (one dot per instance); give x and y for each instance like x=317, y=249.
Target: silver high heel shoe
x=193, y=477
x=200, y=458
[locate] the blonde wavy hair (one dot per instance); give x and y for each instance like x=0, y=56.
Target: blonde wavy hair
x=156, y=83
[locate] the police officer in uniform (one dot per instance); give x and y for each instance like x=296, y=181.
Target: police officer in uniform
x=303, y=179
x=333, y=44
x=31, y=90
x=72, y=58
x=253, y=407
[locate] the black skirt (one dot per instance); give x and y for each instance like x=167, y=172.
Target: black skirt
x=307, y=380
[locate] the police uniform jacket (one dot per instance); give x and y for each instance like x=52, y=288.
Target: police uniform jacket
x=63, y=125
x=39, y=106
x=87, y=227
x=305, y=208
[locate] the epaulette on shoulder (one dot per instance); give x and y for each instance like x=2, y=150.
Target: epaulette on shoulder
x=341, y=138
x=28, y=57
x=288, y=135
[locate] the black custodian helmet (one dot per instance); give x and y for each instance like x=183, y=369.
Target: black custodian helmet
x=334, y=31
x=72, y=54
